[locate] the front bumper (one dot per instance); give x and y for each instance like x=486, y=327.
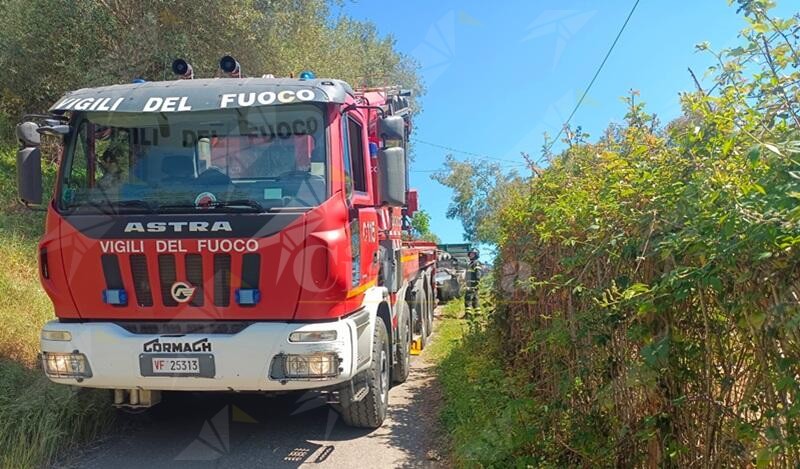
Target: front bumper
x=242, y=360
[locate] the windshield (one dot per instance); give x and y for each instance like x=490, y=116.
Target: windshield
x=253, y=159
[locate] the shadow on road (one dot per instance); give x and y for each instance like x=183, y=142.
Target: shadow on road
x=237, y=430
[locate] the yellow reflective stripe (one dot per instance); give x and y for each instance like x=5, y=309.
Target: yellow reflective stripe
x=361, y=289
x=408, y=257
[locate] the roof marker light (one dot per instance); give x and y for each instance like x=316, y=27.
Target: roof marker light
x=307, y=75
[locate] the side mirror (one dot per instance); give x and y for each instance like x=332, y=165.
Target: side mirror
x=29, y=164
x=59, y=130
x=393, y=128
x=392, y=164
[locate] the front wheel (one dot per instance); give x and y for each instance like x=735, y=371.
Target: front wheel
x=370, y=411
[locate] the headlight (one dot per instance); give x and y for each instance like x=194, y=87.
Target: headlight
x=66, y=365
x=312, y=336
x=317, y=365
x=62, y=336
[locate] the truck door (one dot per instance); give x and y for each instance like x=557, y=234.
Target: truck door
x=363, y=216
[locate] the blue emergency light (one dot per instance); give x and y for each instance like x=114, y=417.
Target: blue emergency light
x=248, y=297
x=307, y=75
x=115, y=297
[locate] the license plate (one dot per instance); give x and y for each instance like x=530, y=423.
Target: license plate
x=192, y=365
x=189, y=366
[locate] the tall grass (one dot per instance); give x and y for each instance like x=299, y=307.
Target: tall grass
x=38, y=419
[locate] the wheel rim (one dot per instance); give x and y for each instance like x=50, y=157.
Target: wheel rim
x=384, y=374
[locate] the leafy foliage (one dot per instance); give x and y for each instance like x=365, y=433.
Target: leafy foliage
x=421, y=227
x=48, y=47
x=480, y=189
x=657, y=319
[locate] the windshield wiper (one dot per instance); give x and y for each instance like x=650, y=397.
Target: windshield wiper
x=239, y=204
x=116, y=205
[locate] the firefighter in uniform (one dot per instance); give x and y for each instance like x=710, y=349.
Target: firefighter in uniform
x=473, y=276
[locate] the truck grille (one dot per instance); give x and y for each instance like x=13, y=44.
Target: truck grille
x=222, y=280
x=162, y=272
x=167, y=276
x=141, y=280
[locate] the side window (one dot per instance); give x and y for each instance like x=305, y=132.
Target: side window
x=357, y=155
x=100, y=160
x=78, y=176
x=348, y=167
x=112, y=158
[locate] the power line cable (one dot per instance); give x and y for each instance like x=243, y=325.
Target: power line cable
x=596, y=74
x=571, y=115
x=464, y=152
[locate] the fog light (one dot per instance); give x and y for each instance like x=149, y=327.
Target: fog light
x=312, y=336
x=66, y=365
x=317, y=365
x=61, y=336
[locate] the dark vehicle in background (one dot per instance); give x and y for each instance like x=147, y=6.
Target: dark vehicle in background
x=451, y=264
x=448, y=284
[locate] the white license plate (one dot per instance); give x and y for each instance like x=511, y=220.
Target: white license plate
x=172, y=366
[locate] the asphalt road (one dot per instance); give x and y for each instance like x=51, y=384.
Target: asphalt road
x=291, y=430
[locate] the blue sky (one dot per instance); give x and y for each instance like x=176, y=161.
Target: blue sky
x=499, y=74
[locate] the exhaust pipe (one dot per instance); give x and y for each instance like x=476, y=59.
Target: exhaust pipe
x=230, y=66
x=183, y=69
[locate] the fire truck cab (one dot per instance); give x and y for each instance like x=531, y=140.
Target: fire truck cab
x=230, y=235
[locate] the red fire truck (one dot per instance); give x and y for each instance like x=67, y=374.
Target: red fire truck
x=231, y=234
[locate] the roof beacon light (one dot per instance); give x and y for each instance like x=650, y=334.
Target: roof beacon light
x=182, y=68
x=230, y=66
x=307, y=75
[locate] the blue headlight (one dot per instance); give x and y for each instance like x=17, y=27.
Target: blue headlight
x=115, y=297
x=247, y=297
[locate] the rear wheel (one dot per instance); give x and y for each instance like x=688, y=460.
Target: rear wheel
x=370, y=411
x=429, y=307
x=403, y=365
x=422, y=308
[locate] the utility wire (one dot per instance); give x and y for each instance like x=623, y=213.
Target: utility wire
x=594, y=78
x=464, y=152
x=571, y=115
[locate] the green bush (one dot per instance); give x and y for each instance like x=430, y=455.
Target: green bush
x=660, y=323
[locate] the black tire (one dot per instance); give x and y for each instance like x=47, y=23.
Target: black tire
x=421, y=306
x=403, y=366
x=370, y=412
x=429, y=307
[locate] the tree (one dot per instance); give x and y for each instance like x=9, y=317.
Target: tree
x=479, y=190
x=48, y=47
x=421, y=227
